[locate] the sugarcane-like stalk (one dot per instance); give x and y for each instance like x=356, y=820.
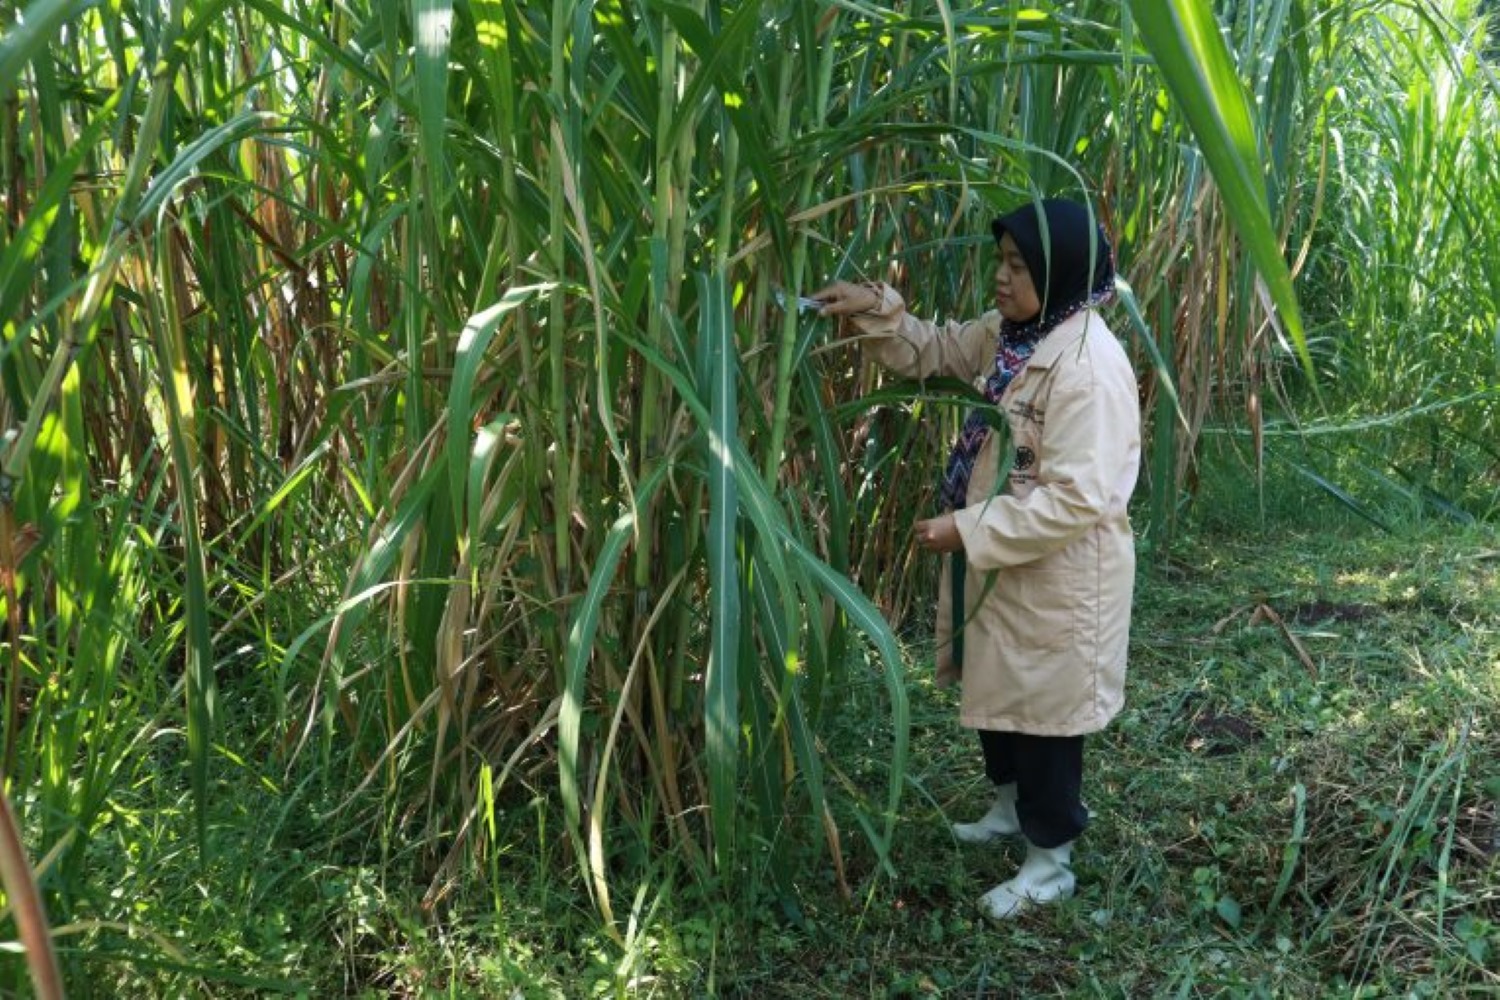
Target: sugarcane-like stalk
x=78, y=331
x=786, y=348
x=26, y=900
x=557, y=343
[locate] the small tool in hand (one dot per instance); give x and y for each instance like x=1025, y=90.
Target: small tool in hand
x=804, y=304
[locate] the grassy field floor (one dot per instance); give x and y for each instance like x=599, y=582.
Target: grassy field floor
x=1299, y=800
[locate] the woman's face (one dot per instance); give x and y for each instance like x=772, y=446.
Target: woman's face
x=1015, y=294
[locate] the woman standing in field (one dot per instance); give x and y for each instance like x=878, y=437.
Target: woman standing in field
x=1041, y=565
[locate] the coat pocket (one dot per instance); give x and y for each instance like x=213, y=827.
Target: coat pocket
x=1037, y=609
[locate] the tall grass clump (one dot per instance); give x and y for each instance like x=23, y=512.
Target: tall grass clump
x=408, y=392
x=1405, y=309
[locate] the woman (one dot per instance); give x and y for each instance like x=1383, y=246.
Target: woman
x=1042, y=564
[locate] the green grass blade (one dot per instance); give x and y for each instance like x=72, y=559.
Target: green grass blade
x=1291, y=852
x=165, y=183
x=319, y=40
x=410, y=515
x=432, y=20
x=722, y=56
x=26, y=901
x=789, y=711
x=1342, y=496
x=1159, y=362
x=29, y=38
x=868, y=619
x=472, y=344
x=1190, y=52
x=487, y=444
x=20, y=253
x=580, y=644
x=177, y=390
x=722, y=709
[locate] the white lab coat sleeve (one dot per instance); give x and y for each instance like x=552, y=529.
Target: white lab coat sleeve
x=915, y=348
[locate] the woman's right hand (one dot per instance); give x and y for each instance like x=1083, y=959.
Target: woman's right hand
x=844, y=298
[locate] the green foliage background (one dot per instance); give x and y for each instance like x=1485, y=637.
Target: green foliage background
x=400, y=411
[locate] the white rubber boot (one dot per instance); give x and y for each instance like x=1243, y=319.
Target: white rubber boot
x=1045, y=876
x=1000, y=821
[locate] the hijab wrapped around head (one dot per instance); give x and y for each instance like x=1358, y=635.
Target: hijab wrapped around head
x=1073, y=268
x=1067, y=253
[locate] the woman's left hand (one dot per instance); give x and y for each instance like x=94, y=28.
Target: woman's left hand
x=938, y=534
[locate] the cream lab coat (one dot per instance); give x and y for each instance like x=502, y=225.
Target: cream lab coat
x=1045, y=642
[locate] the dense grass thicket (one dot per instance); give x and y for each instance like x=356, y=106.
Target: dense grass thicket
x=1300, y=800
x=434, y=560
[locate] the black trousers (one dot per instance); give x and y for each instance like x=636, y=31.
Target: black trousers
x=1048, y=772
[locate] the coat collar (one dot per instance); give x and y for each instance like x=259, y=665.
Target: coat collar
x=1069, y=331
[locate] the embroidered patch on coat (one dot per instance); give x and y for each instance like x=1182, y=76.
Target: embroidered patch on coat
x=1028, y=411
